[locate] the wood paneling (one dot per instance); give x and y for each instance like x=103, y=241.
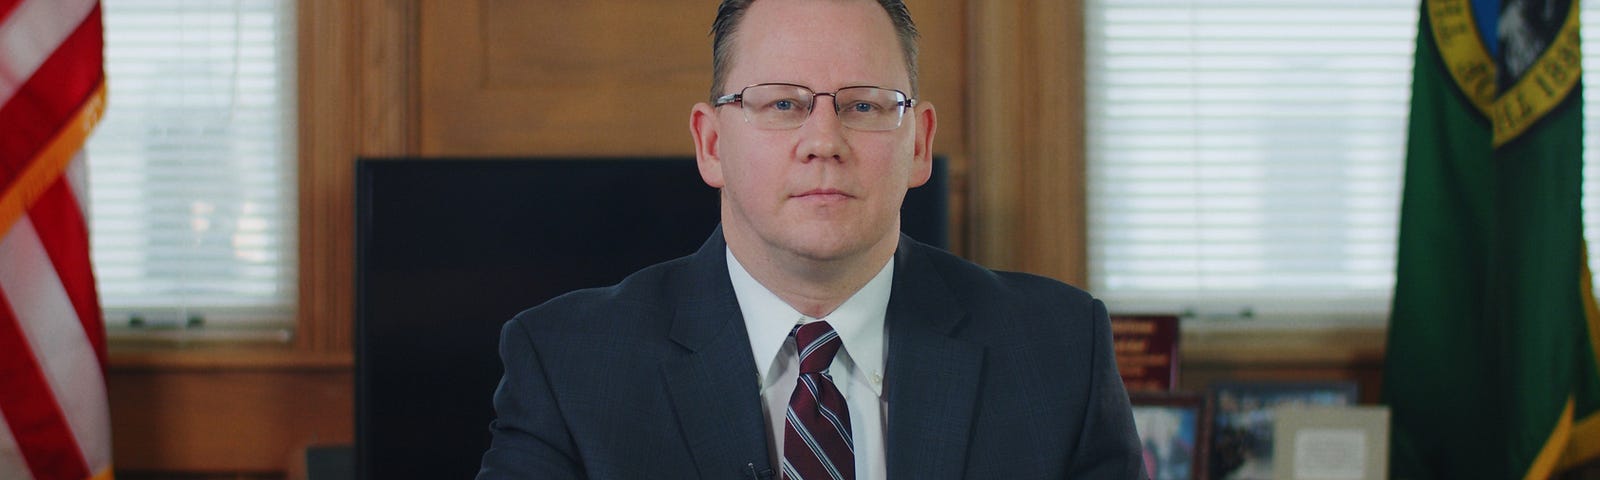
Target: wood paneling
x=578, y=77
x=358, y=98
x=225, y=421
x=1028, y=212
x=328, y=138
x=943, y=72
x=234, y=412
x=389, y=78
x=602, y=77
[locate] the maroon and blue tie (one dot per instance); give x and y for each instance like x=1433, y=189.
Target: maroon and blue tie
x=816, y=434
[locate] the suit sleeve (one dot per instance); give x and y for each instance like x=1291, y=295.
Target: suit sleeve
x=531, y=439
x=1109, y=446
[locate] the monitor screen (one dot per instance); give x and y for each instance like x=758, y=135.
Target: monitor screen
x=449, y=249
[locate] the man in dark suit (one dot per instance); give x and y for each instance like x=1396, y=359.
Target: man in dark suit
x=808, y=338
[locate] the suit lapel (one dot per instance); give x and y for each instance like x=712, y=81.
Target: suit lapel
x=713, y=385
x=932, y=377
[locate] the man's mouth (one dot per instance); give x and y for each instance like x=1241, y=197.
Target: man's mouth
x=823, y=194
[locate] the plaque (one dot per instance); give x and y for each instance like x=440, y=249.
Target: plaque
x=1147, y=351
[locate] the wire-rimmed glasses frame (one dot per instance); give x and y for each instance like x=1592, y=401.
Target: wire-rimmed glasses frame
x=786, y=106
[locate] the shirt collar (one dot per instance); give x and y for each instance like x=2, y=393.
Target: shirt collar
x=859, y=321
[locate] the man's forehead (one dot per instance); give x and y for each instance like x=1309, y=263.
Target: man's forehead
x=840, y=42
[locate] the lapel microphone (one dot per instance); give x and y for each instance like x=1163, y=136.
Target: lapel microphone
x=763, y=474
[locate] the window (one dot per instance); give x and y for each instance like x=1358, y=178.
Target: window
x=1246, y=157
x=191, y=171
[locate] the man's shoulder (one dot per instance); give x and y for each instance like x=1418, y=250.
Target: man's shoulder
x=966, y=278
x=642, y=295
x=1013, y=312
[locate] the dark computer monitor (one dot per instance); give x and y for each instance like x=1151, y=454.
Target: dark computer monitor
x=447, y=250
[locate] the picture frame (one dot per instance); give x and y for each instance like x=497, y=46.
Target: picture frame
x=1174, y=433
x=1242, y=421
x=1331, y=443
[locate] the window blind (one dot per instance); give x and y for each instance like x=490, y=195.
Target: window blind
x=1246, y=157
x=191, y=171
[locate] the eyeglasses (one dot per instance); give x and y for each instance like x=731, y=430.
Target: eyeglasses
x=783, y=106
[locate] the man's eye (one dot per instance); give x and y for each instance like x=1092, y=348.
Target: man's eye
x=863, y=107
x=783, y=105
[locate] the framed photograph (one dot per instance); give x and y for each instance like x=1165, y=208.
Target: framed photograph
x=1331, y=443
x=1242, y=425
x=1174, y=430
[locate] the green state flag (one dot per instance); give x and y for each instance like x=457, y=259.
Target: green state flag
x=1491, y=368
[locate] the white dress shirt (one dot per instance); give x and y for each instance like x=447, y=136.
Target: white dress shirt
x=857, y=369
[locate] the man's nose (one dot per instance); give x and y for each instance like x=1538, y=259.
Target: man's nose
x=822, y=136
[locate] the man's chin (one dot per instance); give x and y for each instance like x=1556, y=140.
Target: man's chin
x=834, y=245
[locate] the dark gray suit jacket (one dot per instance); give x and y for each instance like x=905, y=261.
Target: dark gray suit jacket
x=989, y=375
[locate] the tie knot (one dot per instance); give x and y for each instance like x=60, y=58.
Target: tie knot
x=817, y=344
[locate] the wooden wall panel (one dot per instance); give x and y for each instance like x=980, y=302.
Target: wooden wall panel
x=225, y=420
x=578, y=77
x=388, y=77
x=943, y=77
x=602, y=77
x=1027, y=210
x=327, y=147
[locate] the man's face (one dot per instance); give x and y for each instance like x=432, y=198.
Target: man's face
x=820, y=191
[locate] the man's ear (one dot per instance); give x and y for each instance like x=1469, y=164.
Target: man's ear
x=703, y=126
x=925, y=124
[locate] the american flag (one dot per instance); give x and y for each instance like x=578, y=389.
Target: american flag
x=54, y=421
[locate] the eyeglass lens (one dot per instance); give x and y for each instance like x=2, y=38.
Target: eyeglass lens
x=782, y=107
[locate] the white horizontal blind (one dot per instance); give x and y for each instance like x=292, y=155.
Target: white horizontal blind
x=191, y=172
x=1589, y=23
x=1248, y=155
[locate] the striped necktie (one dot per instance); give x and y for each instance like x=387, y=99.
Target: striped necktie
x=816, y=434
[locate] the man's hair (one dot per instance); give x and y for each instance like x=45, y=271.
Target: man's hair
x=731, y=13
